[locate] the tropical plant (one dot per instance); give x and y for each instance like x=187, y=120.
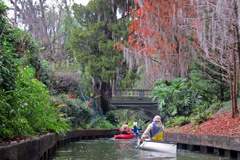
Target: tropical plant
x=174, y=98
x=195, y=98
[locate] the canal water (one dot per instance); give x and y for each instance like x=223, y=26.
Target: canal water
x=109, y=149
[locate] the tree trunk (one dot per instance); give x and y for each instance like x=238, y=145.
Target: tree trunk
x=236, y=58
x=235, y=110
x=236, y=9
x=15, y=14
x=221, y=93
x=113, y=87
x=46, y=41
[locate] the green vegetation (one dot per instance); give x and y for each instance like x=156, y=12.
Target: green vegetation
x=187, y=100
x=92, y=35
x=25, y=107
x=129, y=116
x=101, y=122
x=47, y=88
x=129, y=79
x=75, y=110
x=38, y=95
x=92, y=43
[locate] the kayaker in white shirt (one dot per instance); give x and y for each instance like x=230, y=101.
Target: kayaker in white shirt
x=154, y=131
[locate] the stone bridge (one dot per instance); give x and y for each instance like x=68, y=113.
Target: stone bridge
x=134, y=99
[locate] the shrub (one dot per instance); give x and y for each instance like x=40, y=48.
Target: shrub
x=14, y=44
x=194, y=97
x=204, y=112
x=65, y=82
x=8, y=65
x=112, y=118
x=74, y=110
x=200, y=117
x=177, y=121
x=41, y=115
x=27, y=110
x=101, y=122
x=25, y=107
x=174, y=98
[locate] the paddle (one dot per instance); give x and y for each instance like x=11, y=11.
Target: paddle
x=139, y=143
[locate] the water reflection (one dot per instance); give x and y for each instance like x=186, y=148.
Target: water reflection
x=109, y=149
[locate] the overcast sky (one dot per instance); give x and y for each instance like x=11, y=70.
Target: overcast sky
x=83, y=2
x=10, y=13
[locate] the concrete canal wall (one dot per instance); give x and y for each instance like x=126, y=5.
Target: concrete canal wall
x=40, y=148
x=219, y=145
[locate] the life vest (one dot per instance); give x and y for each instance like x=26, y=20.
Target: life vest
x=156, y=132
x=135, y=129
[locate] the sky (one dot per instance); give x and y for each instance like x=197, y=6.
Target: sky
x=83, y=2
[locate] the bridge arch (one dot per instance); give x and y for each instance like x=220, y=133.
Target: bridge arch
x=135, y=99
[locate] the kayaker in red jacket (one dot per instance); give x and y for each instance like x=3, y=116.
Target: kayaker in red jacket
x=125, y=129
x=154, y=130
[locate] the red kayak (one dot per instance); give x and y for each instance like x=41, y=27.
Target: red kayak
x=124, y=136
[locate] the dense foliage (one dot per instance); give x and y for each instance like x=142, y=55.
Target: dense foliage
x=80, y=45
x=101, y=122
x=25, y=107
x=75, y=110
x=183, y=100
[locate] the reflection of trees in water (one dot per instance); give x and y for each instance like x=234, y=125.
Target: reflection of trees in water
x=117, y=150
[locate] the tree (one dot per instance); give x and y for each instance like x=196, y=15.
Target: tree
x=93, y=40
x=45, y=23
x=155, y=39
x=170, y=32
x=218, y=36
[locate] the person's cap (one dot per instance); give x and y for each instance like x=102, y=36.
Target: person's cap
x=135, y=123
x=157, y=118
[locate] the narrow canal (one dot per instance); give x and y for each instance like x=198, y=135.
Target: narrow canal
x=108, y=149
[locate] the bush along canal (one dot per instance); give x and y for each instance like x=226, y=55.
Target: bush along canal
x=99, y=144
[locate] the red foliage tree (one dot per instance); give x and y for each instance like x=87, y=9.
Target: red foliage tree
x=165, y=33
x=154, y=35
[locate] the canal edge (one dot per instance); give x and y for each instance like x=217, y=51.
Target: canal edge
x=228, y=147
x=43, y=147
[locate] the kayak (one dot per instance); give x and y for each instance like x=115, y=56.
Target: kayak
x=166, y=149
x=124, y=136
